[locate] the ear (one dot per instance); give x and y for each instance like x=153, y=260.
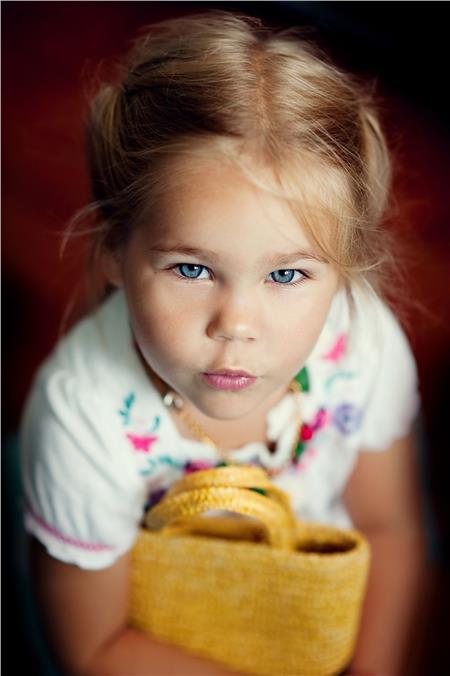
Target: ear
x=112, y=268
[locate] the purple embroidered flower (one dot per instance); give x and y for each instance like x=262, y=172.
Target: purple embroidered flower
x=154, y=498
x=347, y=418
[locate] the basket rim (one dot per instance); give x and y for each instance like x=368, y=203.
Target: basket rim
x=358, y=542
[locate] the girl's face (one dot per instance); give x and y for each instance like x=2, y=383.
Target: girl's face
x=224, y=278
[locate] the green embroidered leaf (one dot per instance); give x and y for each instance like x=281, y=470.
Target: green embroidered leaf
x=303, y=379
x=299, y=450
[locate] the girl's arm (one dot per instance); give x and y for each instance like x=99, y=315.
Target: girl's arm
x=383, y=499
x=84, y=614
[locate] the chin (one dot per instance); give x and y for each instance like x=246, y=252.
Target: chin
x=224, y=408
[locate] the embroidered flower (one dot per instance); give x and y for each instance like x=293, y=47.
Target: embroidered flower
x=308, y=430
x=196, y=466
x=142, y=437
x=306, y=433
x=338, y=350
x=347, y=418
x=321, y=419
x=142, y=443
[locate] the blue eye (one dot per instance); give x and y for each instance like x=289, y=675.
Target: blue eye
x=190, y=270
x=286, y=276
x=281, y=277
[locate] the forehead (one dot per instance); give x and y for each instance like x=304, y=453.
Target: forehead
x=210, y=202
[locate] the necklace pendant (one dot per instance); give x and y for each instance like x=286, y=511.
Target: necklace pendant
x=172, y=399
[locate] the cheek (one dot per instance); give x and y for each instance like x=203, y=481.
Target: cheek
x=161, y=326
x=304, y=326
x=302, y=337
x=151, y=308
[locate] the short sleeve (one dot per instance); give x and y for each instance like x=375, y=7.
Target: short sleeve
x=81, y=496
x=393, y=393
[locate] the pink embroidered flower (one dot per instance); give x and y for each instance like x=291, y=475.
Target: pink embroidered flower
x=321, y=419
x=142, y=444
x=196, y=466
x=338, y=349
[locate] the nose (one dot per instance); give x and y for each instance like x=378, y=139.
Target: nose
x=234, y=319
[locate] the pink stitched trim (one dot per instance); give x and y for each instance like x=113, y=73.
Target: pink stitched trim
x=90, y=546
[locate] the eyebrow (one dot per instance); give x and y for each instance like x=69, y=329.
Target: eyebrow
x=273, y=259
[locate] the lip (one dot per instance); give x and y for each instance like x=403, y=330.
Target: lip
x=232, y=373
x=228, y=379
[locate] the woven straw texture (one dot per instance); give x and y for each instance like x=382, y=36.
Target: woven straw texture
x=265, y=595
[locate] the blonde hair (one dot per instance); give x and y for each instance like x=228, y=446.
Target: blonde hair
x=223, y=83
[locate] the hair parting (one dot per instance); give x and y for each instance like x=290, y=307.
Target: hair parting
x=218, y=84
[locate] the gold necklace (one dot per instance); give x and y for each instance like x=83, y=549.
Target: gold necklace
x=172, y=399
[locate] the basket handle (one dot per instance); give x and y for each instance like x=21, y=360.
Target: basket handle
x=232, y=489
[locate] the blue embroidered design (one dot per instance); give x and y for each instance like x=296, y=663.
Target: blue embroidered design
x=167, y=460
x=347, y=375
x=156, y=424
x=126, y=410
x=152, y=464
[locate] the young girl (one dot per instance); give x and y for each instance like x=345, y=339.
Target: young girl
x=240, y=182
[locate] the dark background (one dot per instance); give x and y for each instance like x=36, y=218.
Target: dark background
x=49, y=49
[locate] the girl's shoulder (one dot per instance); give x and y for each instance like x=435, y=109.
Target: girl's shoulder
x=91, y=396
x=98, y=347
x=360, y=328
x=86, y=423
x=363, y=370
x=97, y=355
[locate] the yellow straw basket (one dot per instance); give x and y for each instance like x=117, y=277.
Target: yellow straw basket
x=261, y=595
